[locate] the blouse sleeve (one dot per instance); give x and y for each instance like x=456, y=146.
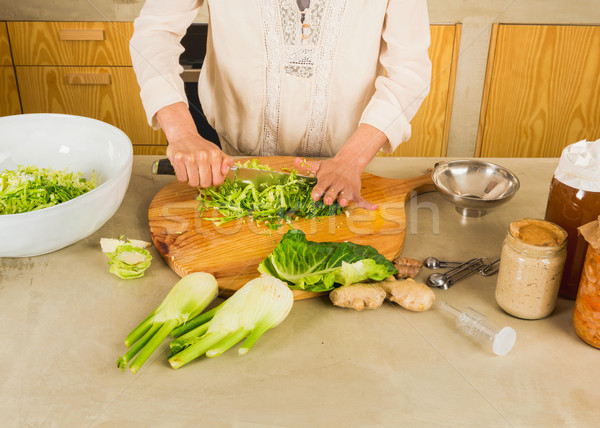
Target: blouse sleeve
x=155, y=48
x=405, y=84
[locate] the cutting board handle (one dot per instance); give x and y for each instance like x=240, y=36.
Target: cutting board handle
x=422, y=184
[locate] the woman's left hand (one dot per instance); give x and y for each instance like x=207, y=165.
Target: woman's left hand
x=337, y=179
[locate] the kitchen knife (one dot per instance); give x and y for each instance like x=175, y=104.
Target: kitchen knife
x=246, y=175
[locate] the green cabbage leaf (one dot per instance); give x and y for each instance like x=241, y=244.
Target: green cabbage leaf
x=321, y=266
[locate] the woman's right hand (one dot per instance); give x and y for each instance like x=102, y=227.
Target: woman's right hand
x=196, y=161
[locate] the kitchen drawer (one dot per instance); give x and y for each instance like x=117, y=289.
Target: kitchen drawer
x=9, y=101
x=110, y=94
x=5, y=58
x=70, y=43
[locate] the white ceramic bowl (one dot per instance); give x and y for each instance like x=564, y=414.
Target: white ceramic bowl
x=63, y=141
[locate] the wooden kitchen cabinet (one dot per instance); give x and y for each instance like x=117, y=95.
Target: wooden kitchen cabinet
x=9, y=99
x=82, y=68
x=109, y=94
x=542, y=90
x=71, y=43
x=5, y=57
x=431, y=124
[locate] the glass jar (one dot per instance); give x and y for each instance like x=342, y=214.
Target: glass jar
x=531, y=264
x=570, y=208
x=574, y=200
x=586, y=317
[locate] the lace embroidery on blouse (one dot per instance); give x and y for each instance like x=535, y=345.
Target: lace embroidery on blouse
x=332, y=15
x=273, y=75
x=302, y=49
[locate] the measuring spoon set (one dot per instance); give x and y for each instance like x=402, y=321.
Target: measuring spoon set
x=458, y=270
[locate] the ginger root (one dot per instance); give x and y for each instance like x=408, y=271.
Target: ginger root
x=407, y=268
x=358, y=296
x=409, y=294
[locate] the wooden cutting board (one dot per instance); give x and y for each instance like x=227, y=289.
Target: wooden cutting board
x=232, y=252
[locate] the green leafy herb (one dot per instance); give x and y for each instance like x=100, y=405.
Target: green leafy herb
x=320, y=266
x=272, y=205
x=30, y=188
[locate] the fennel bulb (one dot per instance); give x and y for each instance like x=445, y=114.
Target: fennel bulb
x=258, y=306
x=187, y=299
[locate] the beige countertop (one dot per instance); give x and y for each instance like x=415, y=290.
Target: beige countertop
x=64, y=317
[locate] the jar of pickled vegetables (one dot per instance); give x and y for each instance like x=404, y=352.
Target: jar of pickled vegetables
x=574, y=200
x=586, y=316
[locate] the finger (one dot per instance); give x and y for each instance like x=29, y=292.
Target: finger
x=191, y=170
x=180, y=171
x=320, y=188
x=178, y=165
x=226, y=164
x=330, y=195
x=215, y=167
x=363, y=203
x=204, y=170
x=342, y=199
x=304, y=166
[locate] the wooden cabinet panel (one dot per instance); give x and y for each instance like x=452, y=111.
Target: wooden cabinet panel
x=71, y=43
x=150, y=150
x=9, y=100
x=9, y=92
x=542, y=90
x=431, y=124
x=5, y=57
x=110, y=94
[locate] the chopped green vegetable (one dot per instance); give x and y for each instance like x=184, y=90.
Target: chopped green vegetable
x=320, y=266
x=188, y=298
x=29, y=188
x=128, y=259
x=258, y=306
x=272, y=205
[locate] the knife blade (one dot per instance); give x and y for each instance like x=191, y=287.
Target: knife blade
x=246, y=175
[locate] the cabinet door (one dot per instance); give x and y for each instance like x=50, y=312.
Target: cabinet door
x=431, y=124
x=5, y=57
x=542, y=90
x=9, y=99
x=71, y=43
x=109, y=94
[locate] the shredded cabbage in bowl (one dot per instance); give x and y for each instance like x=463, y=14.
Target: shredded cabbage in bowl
x=29, y=188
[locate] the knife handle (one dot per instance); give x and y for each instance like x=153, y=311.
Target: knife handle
x=163, y=167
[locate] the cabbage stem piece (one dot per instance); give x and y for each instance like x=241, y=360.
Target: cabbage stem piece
x=258, y=306
x=186, y=300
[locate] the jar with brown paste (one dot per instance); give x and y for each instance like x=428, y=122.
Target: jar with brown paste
x=574, y=200
x=531, y=264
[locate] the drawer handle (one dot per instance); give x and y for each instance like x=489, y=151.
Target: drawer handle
x=82, y=34
x=88, y=79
